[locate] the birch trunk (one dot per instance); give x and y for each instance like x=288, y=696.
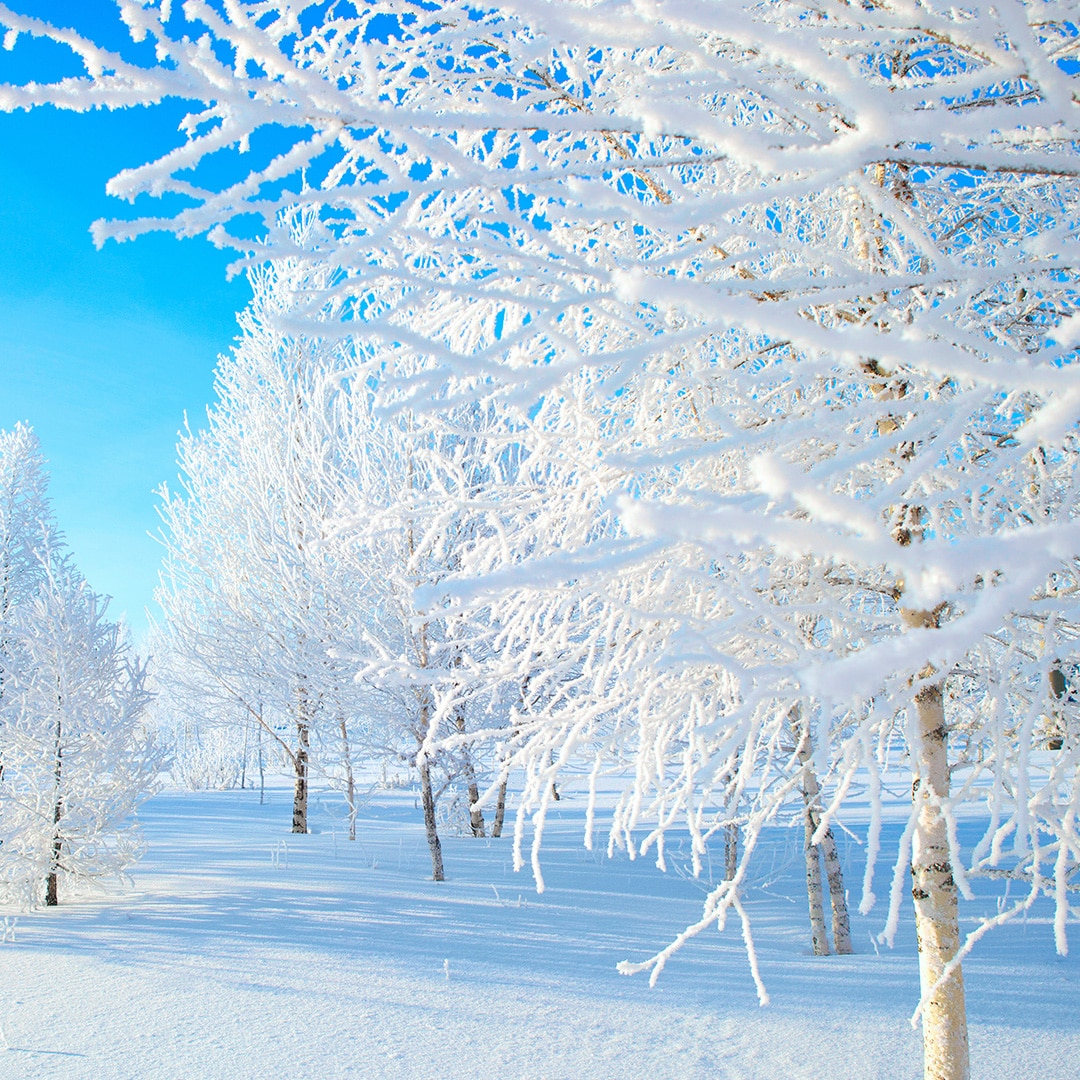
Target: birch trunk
x=811, y=793
x=262, y=768
x=305, y=711
x=731, y=851
x=500, y=804
x=52, y=897
x=825, y=851
x=300, y=769
x=500, y=808
x=350, y=781
x=244, y=760
x=476, y=815
x=434, y=843
x=815, y=897
x=427, y=795
x=944, y=1020
x=841, y=923
x=933, y=887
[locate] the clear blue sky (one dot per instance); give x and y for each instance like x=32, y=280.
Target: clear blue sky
x=101, y=351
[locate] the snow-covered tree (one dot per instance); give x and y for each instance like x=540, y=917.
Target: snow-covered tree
x=313, y=508
x=77, y=759
x=212, y=742
x=26, y=519
x=405, y=496
x=26, y=528
x=254, y=600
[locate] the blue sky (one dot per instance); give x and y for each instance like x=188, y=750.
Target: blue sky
x=101, y=351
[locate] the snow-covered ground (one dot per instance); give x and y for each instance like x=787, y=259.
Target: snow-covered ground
x=246, y=952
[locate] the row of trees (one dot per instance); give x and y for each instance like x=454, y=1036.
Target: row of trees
x=75, y=760
x=303, y=528
x=687, y=391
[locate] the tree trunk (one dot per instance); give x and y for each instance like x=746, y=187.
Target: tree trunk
x=243, y=763
x=434, y=844
x=937, y=925
x=814, y=854
x=350, y=782
x=427, y=796
x=51, y=895
x=500, y=808
x=841, y=924
x=52, y=879
x=554, y=790
x=300, y=766
x=933, y=887
x=826, y=849
x=815, y=898
x=262, y=769
x=476, y=816
x=731, y=851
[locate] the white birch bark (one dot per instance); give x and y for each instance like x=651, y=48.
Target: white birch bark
x=500, y=807
x=350, y=780
x=731, y=851
x=933, y=887
x=841, y=923
x=51, y=881
x=814, y=897
x=476, y=815
x=427, y=798
x=300, y=763
x=472, y=788
x=423, y=698
x=825, y=851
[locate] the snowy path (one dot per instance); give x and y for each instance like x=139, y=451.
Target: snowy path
x=244, y=952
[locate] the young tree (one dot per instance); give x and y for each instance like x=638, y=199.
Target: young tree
x=405, y=493
x=254, y=601
x=26, y=524
x=77, y=759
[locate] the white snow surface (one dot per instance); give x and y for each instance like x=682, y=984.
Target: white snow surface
x=243, y=951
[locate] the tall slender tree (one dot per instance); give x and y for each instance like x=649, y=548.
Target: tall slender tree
x=253, y=601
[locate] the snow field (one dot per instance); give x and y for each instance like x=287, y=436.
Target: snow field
x=246, y=952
